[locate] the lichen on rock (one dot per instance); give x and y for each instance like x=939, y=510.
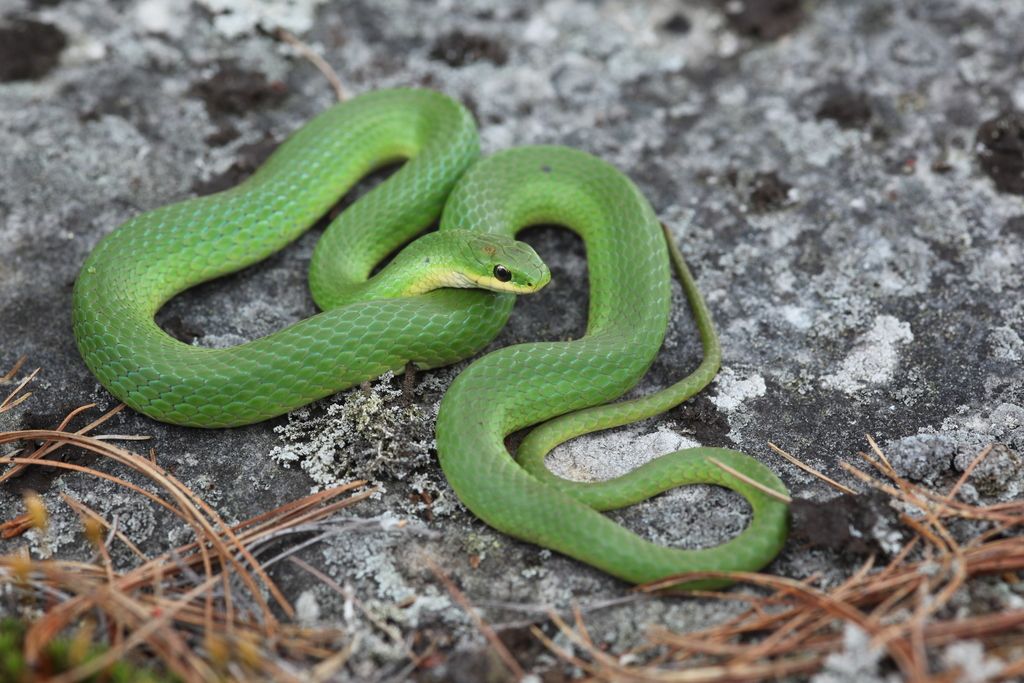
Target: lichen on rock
x=371, y=432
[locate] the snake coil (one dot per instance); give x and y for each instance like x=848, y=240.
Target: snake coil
x=563, y=386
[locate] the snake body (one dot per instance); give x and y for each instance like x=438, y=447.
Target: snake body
x=359, y=335
x=152, y=257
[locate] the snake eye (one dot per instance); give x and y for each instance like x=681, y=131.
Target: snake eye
x=502, y=274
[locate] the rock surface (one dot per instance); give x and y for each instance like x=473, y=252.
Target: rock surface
x=844, y=178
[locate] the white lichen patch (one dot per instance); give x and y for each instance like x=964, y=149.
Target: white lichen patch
x=167, y=17
x=604, y=455
x=857, y=662
x=874, y=358
x=377, y=556
x=363, y=434
x=307, y=608
x=1006, y=344
x=733, y=389
x=969, y=659
x=798, y=317
x=233, y=18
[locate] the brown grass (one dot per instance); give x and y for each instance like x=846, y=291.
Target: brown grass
x=200, y=608
x=791, y=627
x=317, y=60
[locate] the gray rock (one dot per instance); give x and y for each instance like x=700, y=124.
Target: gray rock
x=818, y=168
x=998, y=475
x=922, y=457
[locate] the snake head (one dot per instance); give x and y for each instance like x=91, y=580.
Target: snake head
x=501, y=264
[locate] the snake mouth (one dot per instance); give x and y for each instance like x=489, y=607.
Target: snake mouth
x=542, y=281
x=461, y=280
x=495, y=285
x=505, y=287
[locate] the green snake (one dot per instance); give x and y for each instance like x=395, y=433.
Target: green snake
x=441, y=299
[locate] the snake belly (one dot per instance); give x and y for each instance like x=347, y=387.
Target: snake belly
x=156, y=255
x=566, y=386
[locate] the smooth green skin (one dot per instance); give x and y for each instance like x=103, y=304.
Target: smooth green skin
x=360, y=335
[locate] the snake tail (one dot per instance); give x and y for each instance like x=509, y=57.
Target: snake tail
x=565, y=387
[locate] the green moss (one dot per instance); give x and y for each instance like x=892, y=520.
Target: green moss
x=56, y=659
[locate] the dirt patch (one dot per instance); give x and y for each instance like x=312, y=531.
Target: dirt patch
x=677, y=23
x=459, y=49
x=1000, y=147
x=234, y=90
x=846, y=107
x=249, y=159
x=28, y=49
x=764, y=19
x=768, y=192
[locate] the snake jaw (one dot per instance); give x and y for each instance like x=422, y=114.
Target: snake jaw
x=460, y=280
